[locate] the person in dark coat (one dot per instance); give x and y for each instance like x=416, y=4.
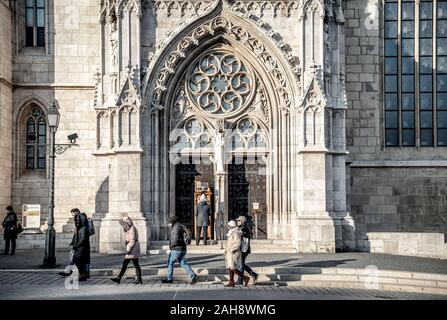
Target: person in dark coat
x=10, y=232
x=245, y=248
x=81, y=246
x=203, y=210
x=177, y=252
x=69, y=268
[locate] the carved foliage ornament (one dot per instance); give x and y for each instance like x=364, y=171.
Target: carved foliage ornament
x=258, y=8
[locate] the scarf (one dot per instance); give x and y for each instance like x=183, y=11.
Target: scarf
x=231, y=231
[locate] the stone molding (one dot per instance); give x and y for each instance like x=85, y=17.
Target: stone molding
x=397, y=163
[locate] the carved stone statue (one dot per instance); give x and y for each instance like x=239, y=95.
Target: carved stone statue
x=219, y=151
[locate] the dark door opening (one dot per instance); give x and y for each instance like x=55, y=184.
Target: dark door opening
x=247, y=189
x=186, y=174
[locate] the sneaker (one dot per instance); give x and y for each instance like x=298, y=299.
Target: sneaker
x=255, y=277
x=65, y=274
x=194, y=279
x=239, y=282
x=166, y=281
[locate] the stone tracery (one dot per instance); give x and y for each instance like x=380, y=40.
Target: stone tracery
x=219, y=83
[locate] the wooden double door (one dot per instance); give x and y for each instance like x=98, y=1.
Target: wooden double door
x=246, y=186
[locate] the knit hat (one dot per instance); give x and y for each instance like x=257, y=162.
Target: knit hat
x=232, y=224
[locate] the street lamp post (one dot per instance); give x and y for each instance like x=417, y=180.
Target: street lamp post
x=53, y=117
x=49, y=261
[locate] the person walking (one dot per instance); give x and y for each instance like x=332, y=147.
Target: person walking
x=69, y=268
x=233, y=255
x=133, y=250
x=10, y=232
x=177, y=246
x=81, y=246
x=203, y=210
x=245, y=249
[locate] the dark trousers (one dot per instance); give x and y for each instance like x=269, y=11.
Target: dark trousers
x=9, y=241
x=135, y=264
x=205, y=233
x=245, y=267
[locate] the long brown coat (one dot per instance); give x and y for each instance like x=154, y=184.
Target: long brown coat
x=233, y=255
x=132, y=244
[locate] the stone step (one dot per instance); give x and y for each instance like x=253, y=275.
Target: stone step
x=210, y=250
x=37, y=240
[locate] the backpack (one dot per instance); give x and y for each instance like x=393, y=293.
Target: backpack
x=187, y=235
x=91, y=227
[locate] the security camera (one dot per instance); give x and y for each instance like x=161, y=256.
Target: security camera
x=72, y=137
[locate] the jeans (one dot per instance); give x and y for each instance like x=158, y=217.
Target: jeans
x=180, y=257
x=205, y=233
x=245, y=267
x=13, y=245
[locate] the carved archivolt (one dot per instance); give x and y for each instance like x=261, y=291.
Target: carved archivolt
x=237, y=33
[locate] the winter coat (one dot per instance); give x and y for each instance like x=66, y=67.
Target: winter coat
x=246, y=234
x=10, y=225
x=177, y=241
x=233, y=255
x=132, y=244
x=81, y=242
x=202, y=213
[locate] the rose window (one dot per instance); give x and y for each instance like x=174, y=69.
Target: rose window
x=219, y=83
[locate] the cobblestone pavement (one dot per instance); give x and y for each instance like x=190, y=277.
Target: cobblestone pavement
x=31, y=259
x=44, y=285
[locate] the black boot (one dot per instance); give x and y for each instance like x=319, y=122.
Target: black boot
x=138, y=280
x=117, y=280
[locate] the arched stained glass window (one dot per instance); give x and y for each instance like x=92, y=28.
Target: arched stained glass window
x=35, y=132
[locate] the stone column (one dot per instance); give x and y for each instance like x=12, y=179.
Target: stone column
x=314, y=228
x=124, y=197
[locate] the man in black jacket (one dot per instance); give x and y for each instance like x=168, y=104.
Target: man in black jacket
x=245, y=248
x=177, y=246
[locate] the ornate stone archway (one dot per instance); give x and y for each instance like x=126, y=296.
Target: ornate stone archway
x=273, y=82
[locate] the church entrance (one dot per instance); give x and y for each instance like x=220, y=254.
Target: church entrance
x=247, y=193
x=188, y=176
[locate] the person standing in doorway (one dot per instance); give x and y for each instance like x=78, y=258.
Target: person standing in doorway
x=203, y=210
x=177, y=246
x=233, y=256
x=245, y=249
x=132, y=250
x=10, y=232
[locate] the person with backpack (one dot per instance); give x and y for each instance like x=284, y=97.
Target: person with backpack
x=81, y=246
x=180, y=237
x=245, y=249
x=91, y=231
x=133, y=250
x=11, y=230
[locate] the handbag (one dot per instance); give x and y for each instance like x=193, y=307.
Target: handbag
x=19, y=228
x=244, y=244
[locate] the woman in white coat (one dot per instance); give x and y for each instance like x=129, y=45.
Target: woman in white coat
x=233, y=254
x=132, y=250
